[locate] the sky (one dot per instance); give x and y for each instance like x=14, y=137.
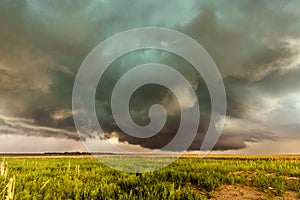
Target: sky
x=254, y=43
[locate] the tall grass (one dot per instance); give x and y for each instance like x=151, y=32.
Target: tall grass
x=187, y=178
x=10, y=188
x=8, y=191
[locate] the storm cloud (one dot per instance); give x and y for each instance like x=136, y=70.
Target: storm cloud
x=255, y=44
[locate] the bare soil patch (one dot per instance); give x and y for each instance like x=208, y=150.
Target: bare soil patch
x=240, y=192
x=289, y=195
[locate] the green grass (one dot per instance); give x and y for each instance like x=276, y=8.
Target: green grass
x=187, y=178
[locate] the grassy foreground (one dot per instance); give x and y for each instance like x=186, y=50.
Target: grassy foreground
x=187, y=178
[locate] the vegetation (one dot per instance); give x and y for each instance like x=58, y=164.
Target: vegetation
x=187, y=178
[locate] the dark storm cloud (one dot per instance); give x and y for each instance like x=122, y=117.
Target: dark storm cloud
x=246, y=39
x=255, y=44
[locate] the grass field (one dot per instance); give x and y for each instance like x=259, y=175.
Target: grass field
x=238, y=177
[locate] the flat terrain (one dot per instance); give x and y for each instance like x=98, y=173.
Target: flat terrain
x=190, y=177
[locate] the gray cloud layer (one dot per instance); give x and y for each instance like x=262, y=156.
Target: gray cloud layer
x=256, y=45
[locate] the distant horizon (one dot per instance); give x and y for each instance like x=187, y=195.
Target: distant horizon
x=213, y=153
x=52, y=144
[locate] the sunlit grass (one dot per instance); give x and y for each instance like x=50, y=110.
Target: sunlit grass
x=189, y=177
